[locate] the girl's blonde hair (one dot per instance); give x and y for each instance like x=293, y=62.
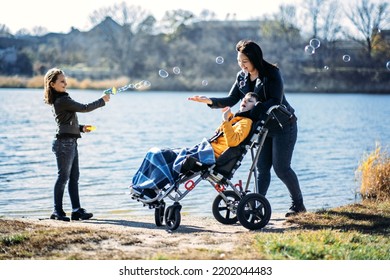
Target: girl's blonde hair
x=51, y=76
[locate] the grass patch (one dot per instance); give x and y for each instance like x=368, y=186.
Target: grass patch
x=352, y=232
x=13, y=239
x=323, y=245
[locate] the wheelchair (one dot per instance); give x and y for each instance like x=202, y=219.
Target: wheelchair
x=234, y=202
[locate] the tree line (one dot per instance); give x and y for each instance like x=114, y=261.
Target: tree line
x=315, y=50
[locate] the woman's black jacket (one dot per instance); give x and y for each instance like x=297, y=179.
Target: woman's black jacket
x=269, y=89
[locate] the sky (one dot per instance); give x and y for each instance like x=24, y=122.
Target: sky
x=60, y=16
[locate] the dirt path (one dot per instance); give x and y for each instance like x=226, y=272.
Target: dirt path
x=139, y=238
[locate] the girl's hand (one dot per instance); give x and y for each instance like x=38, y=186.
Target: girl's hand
x=201, y=99
x=88, y=128
x=106, y=97
x=226, y=113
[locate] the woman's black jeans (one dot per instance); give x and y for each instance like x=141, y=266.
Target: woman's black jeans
x=67, y=157
x=277, y=153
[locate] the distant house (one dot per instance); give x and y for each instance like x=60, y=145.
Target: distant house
x=385, y=35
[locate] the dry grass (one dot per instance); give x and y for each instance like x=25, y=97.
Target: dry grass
x=13, y=82
x=37, y=82
x=367, y=217
x=374, y=174
x=352, y=232
x=24, y=240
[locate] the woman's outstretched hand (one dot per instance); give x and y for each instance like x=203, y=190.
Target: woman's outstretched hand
x=201, y=99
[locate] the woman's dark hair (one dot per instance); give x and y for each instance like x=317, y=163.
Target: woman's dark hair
x=253, y=51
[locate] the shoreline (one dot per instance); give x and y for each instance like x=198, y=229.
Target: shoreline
x=129, y=221
x=361, y=225
x=137, y=237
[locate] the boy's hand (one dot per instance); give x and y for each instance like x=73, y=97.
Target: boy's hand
x=226, y=113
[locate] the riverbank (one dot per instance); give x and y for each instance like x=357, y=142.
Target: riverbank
x=329, y=234
x=130, y=237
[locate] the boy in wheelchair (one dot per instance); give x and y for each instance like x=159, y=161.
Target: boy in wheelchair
x=163, y=166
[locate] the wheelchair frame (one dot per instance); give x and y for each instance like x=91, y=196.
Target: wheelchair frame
x=233, y=203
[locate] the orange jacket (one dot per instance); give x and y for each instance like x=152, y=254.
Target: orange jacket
x=234, y=132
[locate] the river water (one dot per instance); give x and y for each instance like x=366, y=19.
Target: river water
x=335, y=132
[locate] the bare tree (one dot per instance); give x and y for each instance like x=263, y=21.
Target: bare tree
x=22, y=32
x=4, y=30
x=284, y=25
x=123, y=14
x=368, y=19
x=313, y=8
x=39, y=31
x=172, y=20
x=331, y=27
x=206, y=15
x=147, y=26
x=323, y=19
x=118, y=25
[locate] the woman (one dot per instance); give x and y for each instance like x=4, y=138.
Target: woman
x=263, y=78
x=65, y=143
x=162, y=167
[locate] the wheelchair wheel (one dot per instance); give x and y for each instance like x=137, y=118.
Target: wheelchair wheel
x=225, y=211
x=159, y=214
x=254, y=211
x=173, y=216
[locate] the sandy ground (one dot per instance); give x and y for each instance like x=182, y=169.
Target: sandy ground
x=146, y=225
x=140, y=238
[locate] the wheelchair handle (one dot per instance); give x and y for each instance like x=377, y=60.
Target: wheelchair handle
x=281, y=108
x=270, y=114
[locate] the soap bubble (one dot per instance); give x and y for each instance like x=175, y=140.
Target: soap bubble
x=388, y=65
x=315, y=43
x=145, y=84
x=326, y=67
x=142, y=84
x=346, y=58
x=163, y=74
x=219, y=60
x=205, y=83
x=123, y=88
x=309, y=50
x=176, y=70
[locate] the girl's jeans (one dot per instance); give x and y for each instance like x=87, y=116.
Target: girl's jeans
x=277, y=153
x=67, y=157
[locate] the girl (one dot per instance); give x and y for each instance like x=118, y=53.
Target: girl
x=65, y=142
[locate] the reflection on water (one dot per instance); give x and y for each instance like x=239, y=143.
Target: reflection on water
x=335, y=131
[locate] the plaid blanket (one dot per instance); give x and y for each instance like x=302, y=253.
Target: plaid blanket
x=162, y=166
